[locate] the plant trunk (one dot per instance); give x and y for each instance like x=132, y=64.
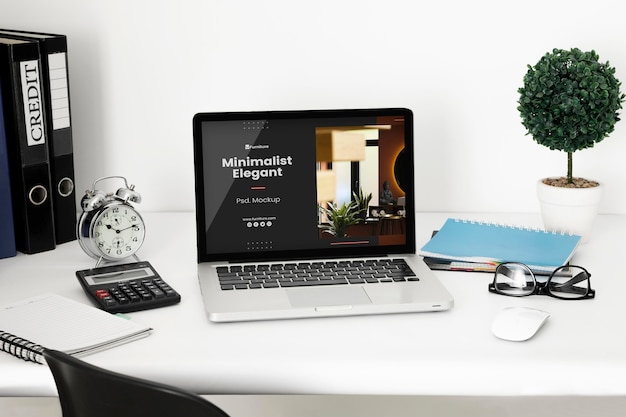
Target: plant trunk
x=569, y=168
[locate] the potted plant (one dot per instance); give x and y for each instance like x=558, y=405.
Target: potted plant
x=569, y=101
x=339, y=218
x=362, y=202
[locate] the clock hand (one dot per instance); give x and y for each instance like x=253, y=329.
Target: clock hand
x=126, y=228
x=119, y=230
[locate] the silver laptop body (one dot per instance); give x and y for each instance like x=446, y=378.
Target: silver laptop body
x=274, y=191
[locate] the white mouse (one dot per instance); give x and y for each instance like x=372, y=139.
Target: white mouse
x=518, y=323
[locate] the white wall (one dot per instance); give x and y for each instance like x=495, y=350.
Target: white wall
x=140, y=69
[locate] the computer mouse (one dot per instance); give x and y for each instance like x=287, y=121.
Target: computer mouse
x=518, y=323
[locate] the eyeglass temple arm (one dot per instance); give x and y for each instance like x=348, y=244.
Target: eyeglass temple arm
x=581, y=276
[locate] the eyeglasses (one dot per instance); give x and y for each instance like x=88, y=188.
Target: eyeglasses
x=568, y=282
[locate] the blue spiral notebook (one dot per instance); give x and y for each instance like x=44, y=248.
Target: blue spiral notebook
x=471, y=241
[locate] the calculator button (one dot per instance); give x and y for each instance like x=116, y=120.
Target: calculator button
x=155, y=291
x=109, y=302
x=134, y=298
x=145, y=295
x=102, y=294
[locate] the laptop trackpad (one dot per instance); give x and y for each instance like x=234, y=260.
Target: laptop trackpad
x=327, y=296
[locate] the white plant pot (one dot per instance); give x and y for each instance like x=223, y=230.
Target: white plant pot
x=569, y=210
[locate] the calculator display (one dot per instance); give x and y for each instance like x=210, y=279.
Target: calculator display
x=118, y=276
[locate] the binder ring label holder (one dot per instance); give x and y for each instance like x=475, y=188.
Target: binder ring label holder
x=38, y=195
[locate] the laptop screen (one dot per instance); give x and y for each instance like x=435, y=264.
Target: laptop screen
x=303, y=184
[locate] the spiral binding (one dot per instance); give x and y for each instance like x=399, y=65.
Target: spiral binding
x=21, y=348
x=519, y=227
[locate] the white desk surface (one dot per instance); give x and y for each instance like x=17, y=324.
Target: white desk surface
x=580, y=351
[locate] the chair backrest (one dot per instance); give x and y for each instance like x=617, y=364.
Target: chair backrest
x=86, y=390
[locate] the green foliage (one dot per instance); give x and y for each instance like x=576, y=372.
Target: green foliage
x=570, y=101
x=362, y=201
x=339, y=218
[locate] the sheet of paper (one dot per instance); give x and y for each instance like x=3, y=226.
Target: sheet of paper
x=56, y=322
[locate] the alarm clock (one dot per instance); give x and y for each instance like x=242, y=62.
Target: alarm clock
x=110, y=227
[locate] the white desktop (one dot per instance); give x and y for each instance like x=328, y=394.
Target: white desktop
x=580, y=351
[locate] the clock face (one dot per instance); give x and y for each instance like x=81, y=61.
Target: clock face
x=117, y=231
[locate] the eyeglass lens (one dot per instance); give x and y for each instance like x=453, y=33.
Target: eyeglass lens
x=569, y=282
x=514, y=279
x=518, y=280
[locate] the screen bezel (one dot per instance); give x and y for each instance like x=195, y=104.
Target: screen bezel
x=335, y=252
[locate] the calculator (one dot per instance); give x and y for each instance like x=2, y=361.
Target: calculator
x=128, y=287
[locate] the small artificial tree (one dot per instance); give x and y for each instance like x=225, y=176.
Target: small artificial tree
x=570, y=101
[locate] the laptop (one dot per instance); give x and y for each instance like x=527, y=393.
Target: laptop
x=285, y=228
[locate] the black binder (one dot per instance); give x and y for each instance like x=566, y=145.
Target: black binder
x=55, y=83
x=24, y=119
x=7, y=234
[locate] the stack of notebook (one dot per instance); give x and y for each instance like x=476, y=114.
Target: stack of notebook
x=477, y=246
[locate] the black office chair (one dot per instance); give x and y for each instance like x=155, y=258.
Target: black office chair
x=88, y=391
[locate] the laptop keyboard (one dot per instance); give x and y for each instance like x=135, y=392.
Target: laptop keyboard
x=306, y=274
